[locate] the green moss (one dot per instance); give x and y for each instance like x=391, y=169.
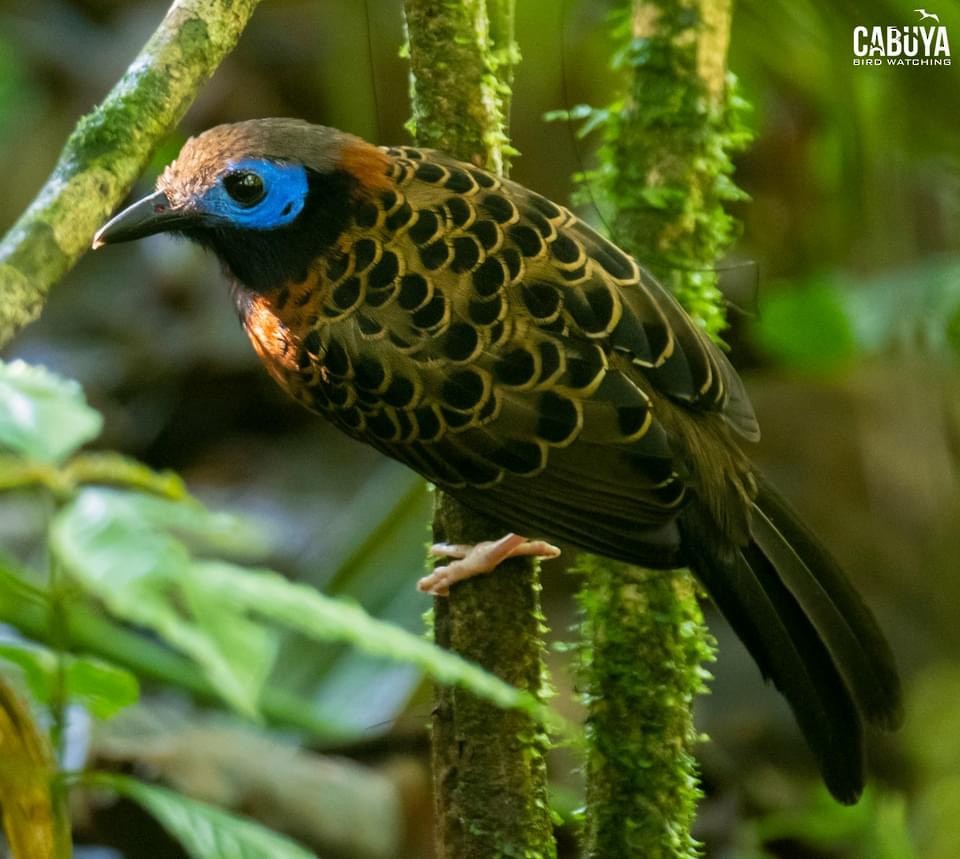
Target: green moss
x=663, y=178
x=490, y=775
x=665, y=158
x=641, y=666
x=195, y=41
x=37, y=252
x=489, y=767
x=458, y=92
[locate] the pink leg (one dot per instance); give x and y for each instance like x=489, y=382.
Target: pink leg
x=482, y=558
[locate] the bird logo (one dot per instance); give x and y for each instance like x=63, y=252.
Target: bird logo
x=924, y=15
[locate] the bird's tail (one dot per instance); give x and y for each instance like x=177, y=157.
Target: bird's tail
x=806, y=628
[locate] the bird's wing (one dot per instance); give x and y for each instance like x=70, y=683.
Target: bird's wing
x=603, y=295
x=640, y=319
x=486, y=336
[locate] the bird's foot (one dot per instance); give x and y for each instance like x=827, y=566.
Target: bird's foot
x=471, y=561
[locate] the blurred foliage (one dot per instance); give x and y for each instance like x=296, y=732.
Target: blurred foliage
x=151, y=561
x=875, y=827
x=826, y=323
x=203, y=830
x=102, y=688
x=41, y=416
x=932, y=738
x=807, y=328
x=853, y=226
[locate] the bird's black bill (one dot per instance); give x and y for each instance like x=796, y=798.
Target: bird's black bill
x=153, y=214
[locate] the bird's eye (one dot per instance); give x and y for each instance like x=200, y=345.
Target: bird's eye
x=244, y=187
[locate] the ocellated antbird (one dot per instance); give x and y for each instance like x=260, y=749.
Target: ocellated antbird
x=492, y=341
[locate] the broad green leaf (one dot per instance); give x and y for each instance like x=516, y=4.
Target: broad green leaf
x=375, y=554
x=115, y=544
x=204, y=831
x=248, y=647
x=102, y=688
x=302, y=608
x=876, y=826
x=42, y=415
x=820, y=820
x=219, y=533
x=28, y=609
x=125, y=548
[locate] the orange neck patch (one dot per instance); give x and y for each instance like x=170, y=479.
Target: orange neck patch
x=366, y=163
x=271, y=339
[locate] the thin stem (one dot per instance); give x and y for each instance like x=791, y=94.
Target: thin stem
x=58, y=637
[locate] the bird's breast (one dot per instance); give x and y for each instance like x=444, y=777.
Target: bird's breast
x=279, y=325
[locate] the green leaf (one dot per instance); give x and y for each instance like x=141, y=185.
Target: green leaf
x=819, y=820
x=115, y=469
x=874, y=827
x=42, y=415
x=375, y=556
x=246, y=649
x=101, y=687
x=304, y=609
x=126, y=549
x=28, y=609
x=38, y=665
x=204, y=831
x=119, y=546
x=574, y=114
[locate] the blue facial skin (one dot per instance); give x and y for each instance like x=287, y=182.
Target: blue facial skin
x=286, y=192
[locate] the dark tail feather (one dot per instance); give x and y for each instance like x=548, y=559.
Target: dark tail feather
x=845, y=624
x=807, y=630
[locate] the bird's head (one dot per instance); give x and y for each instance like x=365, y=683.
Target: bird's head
x=268, y=195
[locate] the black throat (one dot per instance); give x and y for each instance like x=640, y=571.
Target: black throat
x=265, y=260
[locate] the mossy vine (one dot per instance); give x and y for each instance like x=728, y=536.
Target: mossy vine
x=662, y=179
x=490, y=779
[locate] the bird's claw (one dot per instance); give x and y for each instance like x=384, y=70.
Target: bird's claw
x=484, y=557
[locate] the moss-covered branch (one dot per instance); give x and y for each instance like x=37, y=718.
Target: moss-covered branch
x=109, y=149
x=489, y=770
x=665, y=174
x=457, y=95
x=665, y=158
x=490, y=778
x=645, y=645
